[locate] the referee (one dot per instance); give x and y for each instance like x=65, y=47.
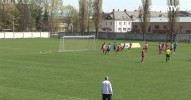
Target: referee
x=106, y=89
x=168, y=52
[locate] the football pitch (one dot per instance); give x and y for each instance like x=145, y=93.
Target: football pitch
x=32, y=69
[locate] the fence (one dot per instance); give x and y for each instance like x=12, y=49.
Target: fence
x=134, y=36
x=9, y=35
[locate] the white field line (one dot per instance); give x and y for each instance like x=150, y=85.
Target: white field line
x=35, y=63
x=13, y=48
x=73, y=50
x=62, y=96
x=41, y=51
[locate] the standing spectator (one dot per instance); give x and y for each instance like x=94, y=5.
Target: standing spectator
x=146, y=46
x=106, y=89
x=175, y=46
x=143, y=55
x=160, y=48
x=114, y=46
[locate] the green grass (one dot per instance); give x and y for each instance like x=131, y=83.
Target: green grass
x=27, y=74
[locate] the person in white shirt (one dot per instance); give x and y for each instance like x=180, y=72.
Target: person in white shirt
x=106, y=89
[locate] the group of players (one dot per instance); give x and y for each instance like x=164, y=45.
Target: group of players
x=116, y=47
x=169, y=51
x=162, y=47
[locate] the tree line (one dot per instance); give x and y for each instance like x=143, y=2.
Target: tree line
x=22, y=15
x=47, y=15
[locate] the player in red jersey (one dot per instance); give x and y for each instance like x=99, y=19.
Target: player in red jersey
x=130, y=45
x=103, y=47
x=143, y=55
x=160, y=48
x=166, y=46
x=118, y=48
x=146, y=46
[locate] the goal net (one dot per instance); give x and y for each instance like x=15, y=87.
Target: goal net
x=77, y=43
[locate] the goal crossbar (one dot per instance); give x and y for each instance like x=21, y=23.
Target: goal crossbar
x=77, y=43
x=89, y=36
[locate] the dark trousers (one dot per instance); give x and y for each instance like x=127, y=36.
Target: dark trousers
x=167, y=57
x=106, y=96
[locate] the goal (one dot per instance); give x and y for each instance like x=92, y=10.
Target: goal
x=77, y=43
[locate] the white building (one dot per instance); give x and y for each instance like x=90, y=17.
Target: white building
x=116, y=21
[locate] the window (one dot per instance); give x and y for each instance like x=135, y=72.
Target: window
x=129, y=23
x=119, y=29
x=181, y=28
x=124, y=23
x=165, y=27
x=157, y=27
x=124, y=29
x=110, y=23
x=119, y=23
x=134, y=26
x=129, y=29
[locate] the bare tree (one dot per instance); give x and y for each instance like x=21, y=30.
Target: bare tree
x=83, y=15
x=144, y=16
x=97, y=16
x=173, y=16
x=90, y=13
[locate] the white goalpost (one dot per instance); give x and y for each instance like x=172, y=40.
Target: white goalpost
x=77, y=43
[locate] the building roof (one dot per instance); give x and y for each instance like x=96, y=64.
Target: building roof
x=185, y=16
x=121, y=15
x=159, y=14
x=153, y=13
x=165, y=19
x=117, y=15
x=185, y=13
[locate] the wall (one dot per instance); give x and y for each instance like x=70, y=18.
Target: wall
x=134, y=36
x=115, y=25
x=124, y=24
x=7, y=35
x=107, y=24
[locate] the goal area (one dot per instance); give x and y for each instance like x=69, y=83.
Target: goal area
x=77, y=43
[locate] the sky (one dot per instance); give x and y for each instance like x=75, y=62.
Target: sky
x=131, y=5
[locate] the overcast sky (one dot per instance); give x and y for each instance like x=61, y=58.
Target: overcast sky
x=130, y=5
